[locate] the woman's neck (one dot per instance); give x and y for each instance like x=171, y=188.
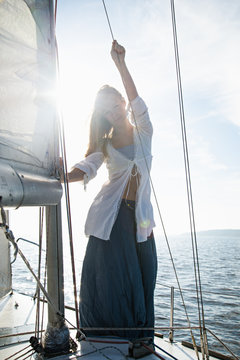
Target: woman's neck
x=123, y=135
x=122, y=129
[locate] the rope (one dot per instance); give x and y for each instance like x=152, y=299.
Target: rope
x=203, y=336
x=152, y=351
x=167, y=353
x=158, y=208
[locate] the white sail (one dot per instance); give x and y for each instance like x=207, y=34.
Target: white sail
x=28, y=116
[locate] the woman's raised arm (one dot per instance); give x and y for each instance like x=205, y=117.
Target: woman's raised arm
x=118, y=56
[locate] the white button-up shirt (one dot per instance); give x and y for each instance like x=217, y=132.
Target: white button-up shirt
x=104, y=209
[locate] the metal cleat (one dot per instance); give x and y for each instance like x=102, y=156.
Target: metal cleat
x=137, y=349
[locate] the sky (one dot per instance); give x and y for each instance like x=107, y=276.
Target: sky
x=208, y=38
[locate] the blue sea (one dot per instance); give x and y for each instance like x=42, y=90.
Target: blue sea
x=219, y=262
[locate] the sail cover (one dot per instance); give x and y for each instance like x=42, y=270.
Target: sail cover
x=28, y=115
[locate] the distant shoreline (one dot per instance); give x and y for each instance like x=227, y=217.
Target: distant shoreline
x=218, y=232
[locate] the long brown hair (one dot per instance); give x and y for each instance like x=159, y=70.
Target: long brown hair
x=100, y=128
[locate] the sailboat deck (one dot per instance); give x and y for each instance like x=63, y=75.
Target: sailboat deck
x=17, y=317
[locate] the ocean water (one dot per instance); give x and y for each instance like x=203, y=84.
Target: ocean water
x=219, y=262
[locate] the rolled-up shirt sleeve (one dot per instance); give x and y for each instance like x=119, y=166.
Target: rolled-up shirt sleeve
x=90, y=165
x=140, y=116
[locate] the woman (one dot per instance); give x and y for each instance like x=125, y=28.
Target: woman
x=120, y=264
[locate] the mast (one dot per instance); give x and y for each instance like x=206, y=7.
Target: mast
x=29, y=148
x=56, y=337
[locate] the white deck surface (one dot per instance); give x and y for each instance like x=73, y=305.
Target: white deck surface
x=17, y=315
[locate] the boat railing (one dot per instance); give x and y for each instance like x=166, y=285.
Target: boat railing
x=174, y=289
x=172, y=328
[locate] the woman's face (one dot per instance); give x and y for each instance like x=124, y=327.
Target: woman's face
x=115, y=109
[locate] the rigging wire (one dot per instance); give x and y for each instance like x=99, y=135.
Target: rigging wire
x=68, y=208
x=43, y=300
x=66, y=188
x=158, y=207
x=224, y=345
x=55, y=11
x=203, y=335
x=44, y=282
x=18, y=352
x=10, y=237
x=26, y=357
x=37, y=293
x=109, y=24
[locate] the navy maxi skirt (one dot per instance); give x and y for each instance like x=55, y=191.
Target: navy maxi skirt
x=118, y=280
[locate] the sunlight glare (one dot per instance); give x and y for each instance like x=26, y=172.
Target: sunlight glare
x=75, y=101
